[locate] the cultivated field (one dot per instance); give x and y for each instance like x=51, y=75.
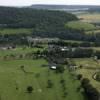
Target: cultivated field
x=89, y=17
x=93, y=31
x=90, y=67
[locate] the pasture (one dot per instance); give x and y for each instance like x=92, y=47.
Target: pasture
x=19, y=51
x=78, y=25
x=15, y=30
x=14, y=82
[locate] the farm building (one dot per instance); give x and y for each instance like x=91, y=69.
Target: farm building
x=41, y=40
x=6, y=47
x=73, y=67
x=64, y=49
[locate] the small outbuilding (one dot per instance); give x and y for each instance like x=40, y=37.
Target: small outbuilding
x=53, y=67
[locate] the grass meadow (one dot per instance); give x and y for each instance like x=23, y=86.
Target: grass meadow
x=14, y=82
x=15, y=30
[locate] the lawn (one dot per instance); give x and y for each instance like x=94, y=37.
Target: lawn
x=15, y=30
x=89, y=68
x=14, y=82
x=78, y=25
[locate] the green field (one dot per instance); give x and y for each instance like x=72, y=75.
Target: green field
x=15, y=30
x=18, y=53
x=78, y=25
x=14, y=82
x=89, y=68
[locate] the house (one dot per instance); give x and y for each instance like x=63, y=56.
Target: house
x=41, y=40
x=6, y=47
x=52, y=47
x=73, y=67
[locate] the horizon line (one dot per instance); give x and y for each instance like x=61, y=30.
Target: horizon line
x=51, y=4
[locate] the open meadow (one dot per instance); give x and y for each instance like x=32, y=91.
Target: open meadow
x=18, y=51
x=18, y=74
x=15, y=80
x=15, y=31
x=78, y=25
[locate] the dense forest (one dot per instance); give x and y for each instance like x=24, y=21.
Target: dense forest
x=27, y=17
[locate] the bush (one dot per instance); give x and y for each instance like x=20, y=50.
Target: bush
x=60, y=69
x=50, y=84
x=79, y=76
x=98, y=76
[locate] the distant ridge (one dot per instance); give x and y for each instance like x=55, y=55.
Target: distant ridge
x=64, y=7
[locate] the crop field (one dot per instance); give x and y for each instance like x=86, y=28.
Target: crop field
x=78, y=25
x=93, y=31
x=90, y=67
x=89, y=17
x=15, y=30
x=14, y=82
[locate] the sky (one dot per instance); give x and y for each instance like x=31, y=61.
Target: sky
x=64, y=2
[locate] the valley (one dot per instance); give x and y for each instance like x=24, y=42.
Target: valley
x=49, y=54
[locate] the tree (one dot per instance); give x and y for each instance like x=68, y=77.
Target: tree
x=60, y=69
x=89, y=90
x=50, y=84
x=79, y=76
x=85, y=81
x=29, y=89
x=98, y=76
x=22, y=67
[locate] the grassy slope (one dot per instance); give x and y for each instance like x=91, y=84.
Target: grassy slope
x=80, y=25
x=11, y=76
